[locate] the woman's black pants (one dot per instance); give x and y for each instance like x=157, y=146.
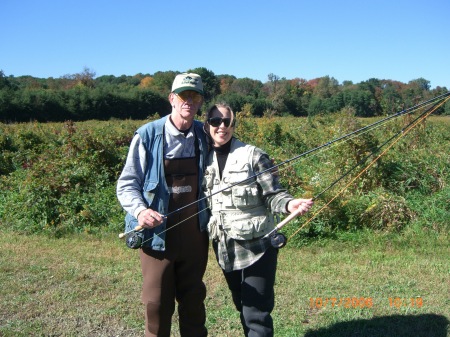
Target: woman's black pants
x=253, y=295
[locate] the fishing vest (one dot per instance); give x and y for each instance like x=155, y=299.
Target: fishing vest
x=238, y=211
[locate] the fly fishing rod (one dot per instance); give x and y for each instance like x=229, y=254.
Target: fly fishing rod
x=403, y=112
x=291, y=216
x=279, y=240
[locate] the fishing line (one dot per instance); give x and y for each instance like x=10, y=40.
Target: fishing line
x=338, y=144
x=399, y=135
x=354, y=133
x=373, y=151
x=309, y=152
x=373, y=126
x=352, y=136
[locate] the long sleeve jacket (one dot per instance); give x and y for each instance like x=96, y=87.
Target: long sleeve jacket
x=142, y=182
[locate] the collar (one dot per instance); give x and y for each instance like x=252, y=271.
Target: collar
x=223, y=149
x=173, y=131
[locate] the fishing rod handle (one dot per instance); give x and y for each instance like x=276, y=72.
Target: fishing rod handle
x=289, y=218
x=284, y=222
x=137, y=228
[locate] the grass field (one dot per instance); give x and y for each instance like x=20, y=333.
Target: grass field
x=376, y=285
x=336, y=279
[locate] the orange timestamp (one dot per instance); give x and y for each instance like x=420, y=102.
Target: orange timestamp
x=362, y=302
x=412, y=302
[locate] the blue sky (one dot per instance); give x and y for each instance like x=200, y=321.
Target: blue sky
x=351, y=40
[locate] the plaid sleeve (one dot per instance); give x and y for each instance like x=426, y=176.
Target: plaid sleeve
x=274, y=195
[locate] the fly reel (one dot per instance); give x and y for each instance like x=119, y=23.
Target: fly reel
x=278, y=240
x=134, y=240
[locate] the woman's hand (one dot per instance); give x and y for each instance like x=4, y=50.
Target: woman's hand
x=300, y=206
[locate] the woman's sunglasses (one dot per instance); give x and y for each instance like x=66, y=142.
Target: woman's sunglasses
x=217, y=121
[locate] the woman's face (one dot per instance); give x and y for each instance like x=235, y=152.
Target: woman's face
x=221, y=134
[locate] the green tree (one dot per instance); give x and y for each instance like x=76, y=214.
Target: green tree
x=326, y=87
x=391, y=100
x=162, y=82
x=225, y=82
x=246, y=87
x=361, y=100
x=4, y=83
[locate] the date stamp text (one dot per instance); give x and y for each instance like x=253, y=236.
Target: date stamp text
x=363, y=302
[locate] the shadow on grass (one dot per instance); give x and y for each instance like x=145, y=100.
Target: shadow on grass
x=427, y=325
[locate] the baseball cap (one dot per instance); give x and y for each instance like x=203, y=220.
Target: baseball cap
x=187, y=81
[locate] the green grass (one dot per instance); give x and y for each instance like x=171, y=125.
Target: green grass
x=90, y=286
x=60, y=181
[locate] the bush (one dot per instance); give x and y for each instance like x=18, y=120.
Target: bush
x=68, y=187
x=60, y=178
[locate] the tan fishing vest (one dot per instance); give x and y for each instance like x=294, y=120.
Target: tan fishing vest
x=238, y=211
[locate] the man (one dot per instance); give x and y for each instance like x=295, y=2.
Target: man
x=163, y=172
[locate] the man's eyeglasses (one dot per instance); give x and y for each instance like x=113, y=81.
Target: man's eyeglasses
x=216, y=121
x=186, y=95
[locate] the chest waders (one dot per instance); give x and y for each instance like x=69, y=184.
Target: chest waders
x=177, y=272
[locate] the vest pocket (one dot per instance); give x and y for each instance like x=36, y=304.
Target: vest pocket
x=248, y=228
x=208, y=179
x=238, y=174
x=213, y=228
x=245, y=196
x=227, y=198
x=241, y=230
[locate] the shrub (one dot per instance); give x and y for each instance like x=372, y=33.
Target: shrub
x=60, y=178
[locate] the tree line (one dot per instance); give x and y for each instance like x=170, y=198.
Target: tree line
x=83, y=96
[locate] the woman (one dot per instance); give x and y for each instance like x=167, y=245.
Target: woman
x=242, y=208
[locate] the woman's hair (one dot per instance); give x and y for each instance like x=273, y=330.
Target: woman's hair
x=216, y=106
x=209, y=113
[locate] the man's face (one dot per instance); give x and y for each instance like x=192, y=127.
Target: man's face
x=186, y=103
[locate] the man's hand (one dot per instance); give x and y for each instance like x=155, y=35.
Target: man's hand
x=149, y=218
